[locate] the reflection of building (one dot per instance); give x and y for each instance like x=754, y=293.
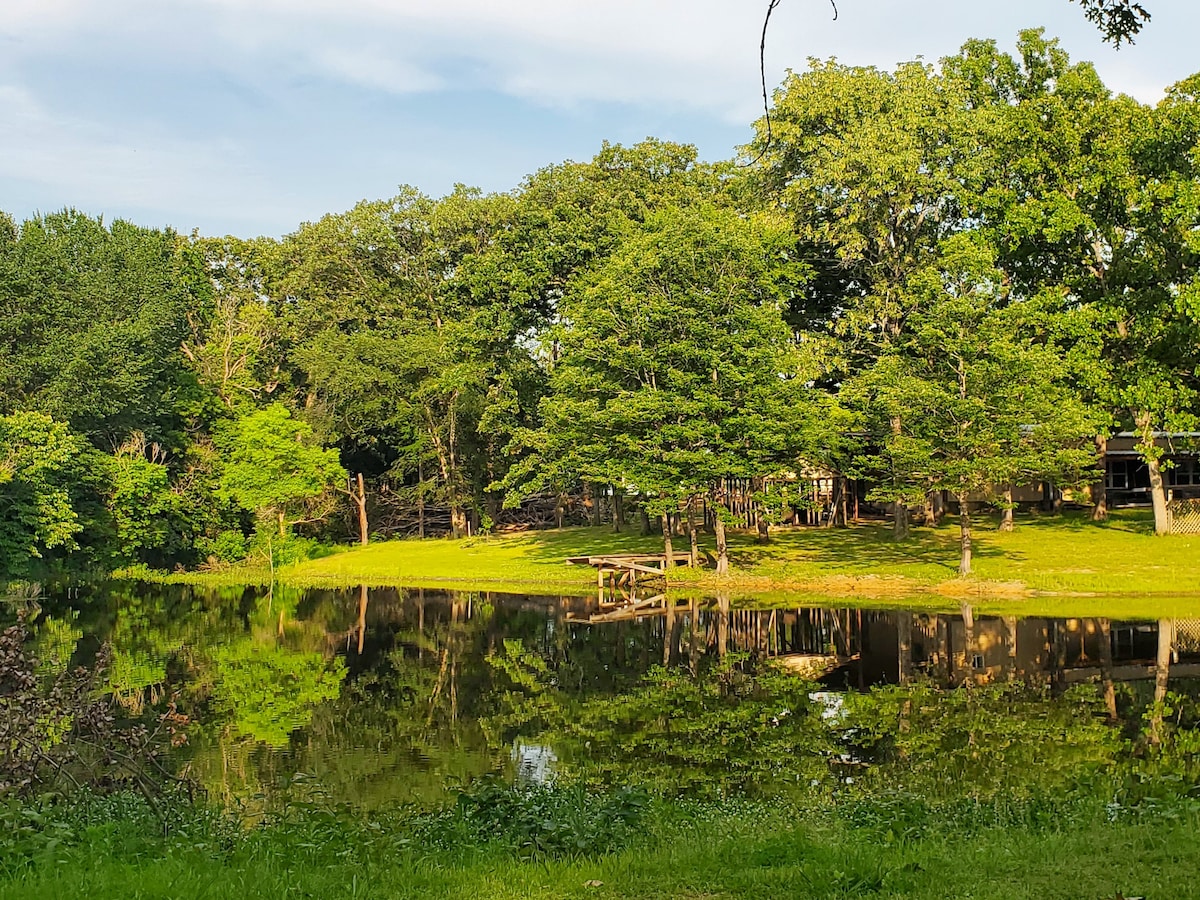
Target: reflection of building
x=955, y=648
x=535, y=763
x=858, y=648
x=842, y=647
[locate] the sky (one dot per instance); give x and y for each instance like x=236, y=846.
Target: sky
x=250, y=117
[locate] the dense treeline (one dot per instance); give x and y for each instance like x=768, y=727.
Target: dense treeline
x=936, y=279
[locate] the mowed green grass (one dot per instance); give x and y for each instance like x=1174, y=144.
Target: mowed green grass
x=764, y=856
x=1066, y=553
x=1067, y=564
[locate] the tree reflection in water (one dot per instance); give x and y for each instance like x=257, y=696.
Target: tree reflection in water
x=378, y=697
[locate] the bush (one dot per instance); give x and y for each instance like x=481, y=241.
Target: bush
x=228, y=547
x=541, y=821
x=65, y=731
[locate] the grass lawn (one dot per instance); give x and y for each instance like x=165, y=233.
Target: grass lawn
x=768, y=854
x=1066, y=565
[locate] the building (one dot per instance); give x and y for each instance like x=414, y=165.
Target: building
x=1127, y=477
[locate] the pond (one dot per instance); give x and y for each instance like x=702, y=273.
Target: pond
x=378, y=697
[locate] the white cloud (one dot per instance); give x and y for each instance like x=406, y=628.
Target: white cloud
x=698, y=54
x=373, y=69
x=272, y=110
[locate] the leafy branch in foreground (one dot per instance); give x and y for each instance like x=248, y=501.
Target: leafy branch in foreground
x=62, y=730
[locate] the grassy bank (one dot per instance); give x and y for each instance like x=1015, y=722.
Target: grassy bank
x=902, y=850
x=1073, y=565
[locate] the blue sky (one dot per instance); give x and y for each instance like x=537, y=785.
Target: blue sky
x=251, y=116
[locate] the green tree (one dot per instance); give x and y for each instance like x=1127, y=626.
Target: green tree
x=987, y=399
x=91, y=322
x=234, y=345
x=867, y=165
x=673, y=368
x=271, y=691
x=272, y=466
x=410, y=355
x=38, y=459
x=1093, y=197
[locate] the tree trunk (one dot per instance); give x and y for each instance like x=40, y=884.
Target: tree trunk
x=1106, y=673
x=969, y=639
x=646, y=527
x=944, y=663
x=1158, y=495
x=904, y=644
x=930, y=516
x=1100, y=487
x=458, y=521
x=670, y=632
x=1162, y=675
x=964, y=531
x=420, y=500
x=596, y=516
x=1006, y=516
x=722, y=544
x=282, y=525
x=362, y=616
x=559, y=511
x=900, y=509
x=939, y=507
x=764, y=531
x=668, y=549
x=1047, y=504
x=618, y=509
x=1010, y=626
x=693, y=540
x=722, y=625
x=361, y=499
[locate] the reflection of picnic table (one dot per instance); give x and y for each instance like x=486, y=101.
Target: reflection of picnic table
x=627, y=607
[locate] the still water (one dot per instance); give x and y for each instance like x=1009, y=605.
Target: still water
x=399, y=696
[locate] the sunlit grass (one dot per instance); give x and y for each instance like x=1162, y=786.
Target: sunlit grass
x=1064, y=565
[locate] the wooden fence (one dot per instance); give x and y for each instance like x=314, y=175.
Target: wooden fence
x=1183, y=516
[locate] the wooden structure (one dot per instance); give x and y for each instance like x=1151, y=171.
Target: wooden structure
x=627, y=607
x=811, y=495
x=1183, y=516
x=622, y=570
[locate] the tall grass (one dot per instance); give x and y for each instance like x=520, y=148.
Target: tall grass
x=885, y=848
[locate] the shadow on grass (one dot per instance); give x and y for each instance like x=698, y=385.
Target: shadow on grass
x=929, y=554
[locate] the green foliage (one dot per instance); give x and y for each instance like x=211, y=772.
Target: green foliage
x=982, y=741
x=91, y=322
x=141, y=505
x=545, y=822
x=273, y=466
x=725, y=732
x=270, y=691
x=674, y=370
x=116, y=848
x=1118, y=20
x=981, y=398
x=938, y=277
x=228, y=546
x=38, y=459
x=60, y=730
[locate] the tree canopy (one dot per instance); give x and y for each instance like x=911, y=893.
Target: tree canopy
x=941, y=280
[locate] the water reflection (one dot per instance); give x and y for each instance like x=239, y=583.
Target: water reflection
x=384, y=696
